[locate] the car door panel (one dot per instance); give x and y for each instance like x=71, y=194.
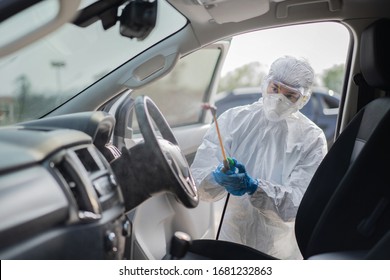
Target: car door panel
x=156, y=220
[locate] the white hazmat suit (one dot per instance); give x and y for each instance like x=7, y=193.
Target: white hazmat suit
x=281, y=153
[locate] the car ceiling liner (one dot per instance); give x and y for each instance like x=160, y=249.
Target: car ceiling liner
x=224, y=11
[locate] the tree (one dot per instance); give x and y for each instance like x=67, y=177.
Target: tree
x=250, y=74
x=333, y=77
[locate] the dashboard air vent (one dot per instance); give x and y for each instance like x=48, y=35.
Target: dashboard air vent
x=75, y=174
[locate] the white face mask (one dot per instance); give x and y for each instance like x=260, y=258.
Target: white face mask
x=277, y=107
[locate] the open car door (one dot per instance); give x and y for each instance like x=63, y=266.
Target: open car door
x=191, y=83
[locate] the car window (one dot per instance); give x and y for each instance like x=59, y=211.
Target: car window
x=251, y=54
x=180, y=94
x=330, y=102
x=37, y=79
x=325, y=47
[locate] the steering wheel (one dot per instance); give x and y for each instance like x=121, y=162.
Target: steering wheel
x=165, y=166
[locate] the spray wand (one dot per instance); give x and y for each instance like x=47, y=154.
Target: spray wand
x=226, y=160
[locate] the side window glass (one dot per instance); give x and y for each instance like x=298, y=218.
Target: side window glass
x=260, y=217
x=331, y=102
x=251, y=54
x=180, y=94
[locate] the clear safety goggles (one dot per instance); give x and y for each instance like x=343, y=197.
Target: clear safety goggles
x=292, y=94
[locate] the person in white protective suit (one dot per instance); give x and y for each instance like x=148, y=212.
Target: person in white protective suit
x=275, y=151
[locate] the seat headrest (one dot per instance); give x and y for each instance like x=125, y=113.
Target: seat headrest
x=375, y=54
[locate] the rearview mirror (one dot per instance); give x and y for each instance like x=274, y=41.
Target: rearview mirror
x=138, y=19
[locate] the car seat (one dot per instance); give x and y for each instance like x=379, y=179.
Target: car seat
x=346, y=206
x=345, y=212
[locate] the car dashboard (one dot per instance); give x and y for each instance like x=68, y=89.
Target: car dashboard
x=59, y=198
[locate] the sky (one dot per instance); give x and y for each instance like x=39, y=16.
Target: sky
x=323, y=45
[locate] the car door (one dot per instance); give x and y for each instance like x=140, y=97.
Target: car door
x=179, y=95
x=246, y=216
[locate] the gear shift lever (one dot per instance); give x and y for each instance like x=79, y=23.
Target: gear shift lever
x=180, y=243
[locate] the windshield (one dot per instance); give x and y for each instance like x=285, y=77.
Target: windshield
x=44, y=75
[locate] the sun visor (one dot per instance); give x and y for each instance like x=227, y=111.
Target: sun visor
x=223, y=11
x=34, y=20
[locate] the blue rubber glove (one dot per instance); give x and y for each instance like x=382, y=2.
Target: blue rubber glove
x=235, y=180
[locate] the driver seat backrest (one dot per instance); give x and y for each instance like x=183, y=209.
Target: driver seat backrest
x=347, y=204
